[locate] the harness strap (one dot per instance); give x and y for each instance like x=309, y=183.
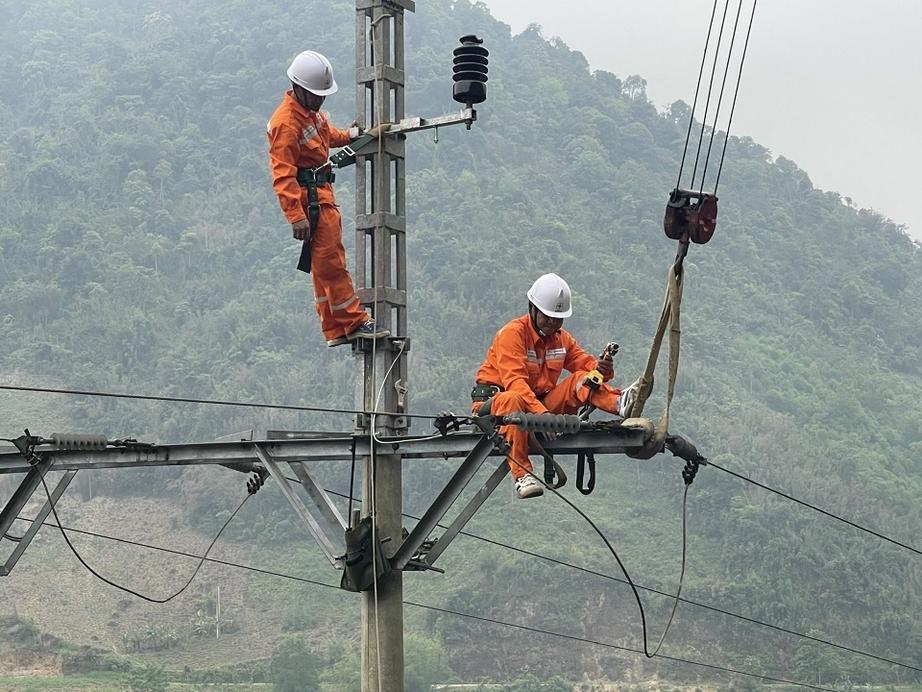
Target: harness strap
x=315, y=176
x=346, y=156
x=310, y=178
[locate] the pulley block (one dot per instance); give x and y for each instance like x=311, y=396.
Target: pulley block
x=691, y=215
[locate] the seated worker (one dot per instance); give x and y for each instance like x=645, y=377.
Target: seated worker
x=522, y=368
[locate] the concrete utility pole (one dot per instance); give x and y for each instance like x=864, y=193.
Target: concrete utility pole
x=381, y=265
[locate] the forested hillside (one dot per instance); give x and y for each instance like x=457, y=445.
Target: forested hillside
x=142, y=252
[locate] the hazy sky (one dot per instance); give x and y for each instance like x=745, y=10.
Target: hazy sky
x=833, y=85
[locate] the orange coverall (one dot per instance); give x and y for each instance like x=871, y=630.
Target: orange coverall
x=299, y=138
x=527, y=366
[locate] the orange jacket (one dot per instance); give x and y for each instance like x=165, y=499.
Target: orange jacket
x=299, y=138
x=521, y=360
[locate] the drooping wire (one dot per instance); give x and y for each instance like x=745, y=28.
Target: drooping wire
x=96, y=574
x=627, y=576
x=305, y=580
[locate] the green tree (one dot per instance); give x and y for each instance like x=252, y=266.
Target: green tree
x=147, y=678
x=294, y=667
x=425, y=663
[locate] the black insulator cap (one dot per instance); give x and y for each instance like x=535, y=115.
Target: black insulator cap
x=470, y=71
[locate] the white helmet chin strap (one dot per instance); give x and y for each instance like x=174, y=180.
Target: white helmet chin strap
x=533, y=313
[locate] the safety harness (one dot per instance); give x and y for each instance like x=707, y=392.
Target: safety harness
x=311, y=178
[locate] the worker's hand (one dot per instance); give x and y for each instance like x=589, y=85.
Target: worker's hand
x=301, y=230
x=379, y=129
x=606, y=367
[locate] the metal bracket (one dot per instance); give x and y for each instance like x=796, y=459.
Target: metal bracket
x=22, y=495
x=410, y=549
x=414, y=124
x=328, y=512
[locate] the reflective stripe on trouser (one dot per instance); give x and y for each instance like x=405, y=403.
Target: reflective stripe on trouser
x=566, y=397
x=335, y=298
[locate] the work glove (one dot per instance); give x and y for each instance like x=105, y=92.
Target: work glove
x=378, y=129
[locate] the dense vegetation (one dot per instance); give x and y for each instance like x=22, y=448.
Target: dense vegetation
x=143, y=252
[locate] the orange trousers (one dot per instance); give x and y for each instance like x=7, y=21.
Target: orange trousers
x=335, y=298
x=566, y=397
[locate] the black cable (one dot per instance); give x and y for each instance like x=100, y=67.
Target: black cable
x=643, y=616
x=211, y=402
x=817, y=509
x=736, y=92
x=125, y=588
x=677, y=596
x=338, y=587
x=691, y=118
x=181, y=553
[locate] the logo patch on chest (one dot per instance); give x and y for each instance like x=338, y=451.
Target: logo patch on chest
x=308, y=134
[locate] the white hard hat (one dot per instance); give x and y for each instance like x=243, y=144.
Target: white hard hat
x=314, y=72
x=551, y=295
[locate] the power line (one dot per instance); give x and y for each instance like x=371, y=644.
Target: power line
x=524, y=552
x=501, y=623
x=704, y=606
x=210, y=402
x=817, y=509
x=292, y=407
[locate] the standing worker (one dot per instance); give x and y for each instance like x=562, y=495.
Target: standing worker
x=523, y=365
x=300, y=137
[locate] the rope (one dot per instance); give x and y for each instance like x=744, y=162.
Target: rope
x=668, y=319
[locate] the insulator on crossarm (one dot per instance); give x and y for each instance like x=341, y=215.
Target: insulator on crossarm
x=546, y=422
x=79, y=442
x=470, y=71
